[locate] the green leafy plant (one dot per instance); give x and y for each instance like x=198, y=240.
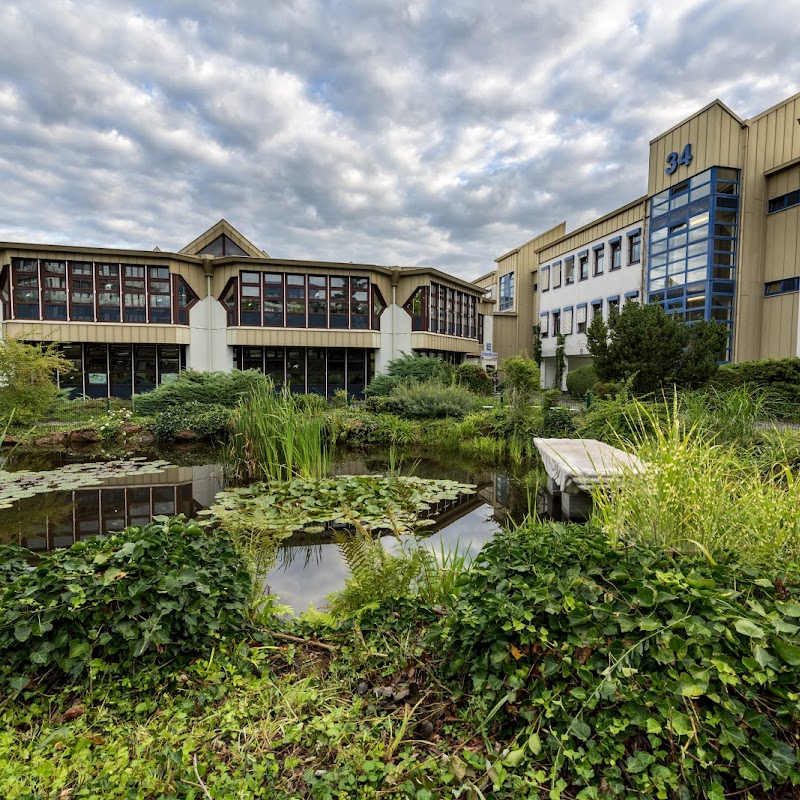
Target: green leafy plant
x=13, y=563
x=205, y=420
x=581, y=380
x=558, y=422
x=212, y=388
x=165, y=592
x=432, y=400
x=778, y=379
x=561, y=361
x=27, y=380
x=406, y=370
x=472, y=377
x=520, y=374
x=626, y=671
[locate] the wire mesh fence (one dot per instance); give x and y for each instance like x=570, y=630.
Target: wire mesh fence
x=84, y=409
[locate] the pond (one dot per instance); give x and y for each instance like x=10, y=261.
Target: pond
x=306, y=571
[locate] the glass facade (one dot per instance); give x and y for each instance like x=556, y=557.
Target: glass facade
x=691, y=265
x=82, y=291
x=312, y=370
x=280, y=300
x=439, y=309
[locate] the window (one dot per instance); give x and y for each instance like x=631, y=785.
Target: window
x=613, y=306
x=228, y=299
x=781, y=287
x=535, y=280
x=616, y=253
x=295, y=301
x=545, y=279
x=580, y=318
x=597, y=308
x=784, y=201
x=556, y=273
x=251, y=298
x=55, y=289
x=566, y=321
x=544, y=323
x=26, y=287
x=583, y=265
x=273, y=300
x=134, y=295
x=599, y=257
x=339, y=302
x=359, y=303
x=378, y=307
x=108, y=293
x=556, y=326
x=632, y=297
x=81, y=291
x=569, y=270
x=507, y=292
x=635, y=246
x=159, y=295
x=185, y=298
x=317, y=301
x=417, y=308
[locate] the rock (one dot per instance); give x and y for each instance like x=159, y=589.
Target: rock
x=143, y=439
x=58, y=439
x=362, y=688
x=185, y=436
x=84, y=436
x=129, y=428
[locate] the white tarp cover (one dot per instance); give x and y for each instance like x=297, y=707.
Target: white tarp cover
x=577, y=465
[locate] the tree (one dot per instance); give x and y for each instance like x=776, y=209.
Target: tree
x=654, y=349
x=27, y=386
x=521, y=374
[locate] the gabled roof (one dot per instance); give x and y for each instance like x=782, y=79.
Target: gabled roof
x=703, y=110
x=216, y=233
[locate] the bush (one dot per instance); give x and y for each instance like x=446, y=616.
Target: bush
x=13, y=563
x=222, y=388
x=520, y=374
x=558, y=422
x=580, y=381
x=432, y=400
x=208, y=421
x=605, y=389
x=405, y=370
x=165, y=592
x=27, y=380
x=627, y=668
x=779, y=378
x=472, y=377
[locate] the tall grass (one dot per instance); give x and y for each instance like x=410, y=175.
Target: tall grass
x=700, y=494
x=276, y=436
x=730, y=415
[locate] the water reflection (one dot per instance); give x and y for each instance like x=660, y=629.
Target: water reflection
x=307, y=570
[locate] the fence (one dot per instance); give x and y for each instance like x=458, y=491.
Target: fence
x=84, y=409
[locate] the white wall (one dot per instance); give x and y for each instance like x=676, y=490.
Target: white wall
x=207, y=348
x=628, y=278
x=395, y=336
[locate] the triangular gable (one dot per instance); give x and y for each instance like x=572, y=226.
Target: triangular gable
x=217, y=240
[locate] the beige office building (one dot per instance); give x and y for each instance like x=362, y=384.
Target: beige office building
x=719, y=240
x=132, y=319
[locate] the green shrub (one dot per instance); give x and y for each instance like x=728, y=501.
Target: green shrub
x=162, y=593
x=472, y=377
x=209, y=421
x=520, y=374
x=605, y=389
x=432, y=400
x=223, y=388
x=652, y=675
x=779, y=378
x=13, y=563
x=558, y=422
x=406, y=370
x=580, y=381
x=550, y=397
x=27, y=380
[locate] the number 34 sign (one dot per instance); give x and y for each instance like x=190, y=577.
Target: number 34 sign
x=674, y=160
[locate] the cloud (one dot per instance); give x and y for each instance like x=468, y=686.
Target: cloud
x=414, y=133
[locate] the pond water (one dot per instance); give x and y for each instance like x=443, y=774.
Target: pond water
x=305, y=571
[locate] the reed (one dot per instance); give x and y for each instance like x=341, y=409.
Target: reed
x=698, y=494
x=275, y=436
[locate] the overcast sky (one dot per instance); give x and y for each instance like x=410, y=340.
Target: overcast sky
x=427, y=132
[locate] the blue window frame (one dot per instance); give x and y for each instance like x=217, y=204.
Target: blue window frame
x=544, y=322
x=692, y=248
x=784, y=201
x=507, y=292
x=781, y=287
